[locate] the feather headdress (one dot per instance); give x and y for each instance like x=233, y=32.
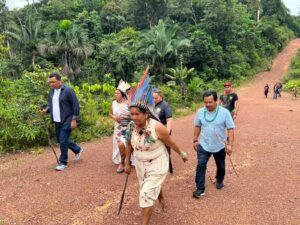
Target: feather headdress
x=143, y=97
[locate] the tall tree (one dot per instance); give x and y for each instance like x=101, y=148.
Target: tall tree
x=112, y=17
x=27, y=35
x=146, y=13
x=159, y=44
x=71, y=43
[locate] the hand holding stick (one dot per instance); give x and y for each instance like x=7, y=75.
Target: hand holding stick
x=48, y=136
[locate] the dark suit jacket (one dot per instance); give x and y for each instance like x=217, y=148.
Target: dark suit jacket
x=68, y=104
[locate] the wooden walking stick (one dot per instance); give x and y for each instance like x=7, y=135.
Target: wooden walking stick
x=225, y=145
x=123, y=194
x=49, y=139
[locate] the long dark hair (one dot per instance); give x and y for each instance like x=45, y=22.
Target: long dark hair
x=124, y=96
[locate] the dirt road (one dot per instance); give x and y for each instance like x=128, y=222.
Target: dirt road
x=266, y=155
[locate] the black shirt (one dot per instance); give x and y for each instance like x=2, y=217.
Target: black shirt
x=228, y=101
x=163, y=111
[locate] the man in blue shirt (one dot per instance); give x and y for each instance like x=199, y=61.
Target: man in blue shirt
x=212, y=123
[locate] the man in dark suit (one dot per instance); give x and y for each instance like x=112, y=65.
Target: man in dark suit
x=63, y=107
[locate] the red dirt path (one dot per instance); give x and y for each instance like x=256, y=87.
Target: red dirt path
x=266, y=155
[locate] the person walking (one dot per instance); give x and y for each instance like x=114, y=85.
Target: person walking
x=164, y=113
x=63, y=107
x=148, y=138
x=230, y=100
x=266, y=90
x=119, y=112
x=275, y=91
x=294, y=92
x=212, y=123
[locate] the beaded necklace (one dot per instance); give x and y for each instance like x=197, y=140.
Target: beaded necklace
x=215, y=116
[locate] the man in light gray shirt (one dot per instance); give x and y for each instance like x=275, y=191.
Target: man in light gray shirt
x=212, y=124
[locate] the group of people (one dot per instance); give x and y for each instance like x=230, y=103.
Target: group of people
x=142, y=134
x=277, y=89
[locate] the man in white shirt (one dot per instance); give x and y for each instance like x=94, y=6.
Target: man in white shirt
x=64, y=110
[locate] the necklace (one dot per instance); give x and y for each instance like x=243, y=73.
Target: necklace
x=215, y=116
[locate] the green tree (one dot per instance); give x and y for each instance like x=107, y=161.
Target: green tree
x=90, y=22
x=71, y=43
x=116, y=54
x=3, y=49
x=3, y=14
x=180, y=75
x=112, y=17
x=27, y=35
x=159, y=44
x=146, y=13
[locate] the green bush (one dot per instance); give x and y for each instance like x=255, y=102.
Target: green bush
x=293, y=77
x=22, y=127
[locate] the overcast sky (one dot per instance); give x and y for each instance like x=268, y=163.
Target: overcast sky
x=292, y=5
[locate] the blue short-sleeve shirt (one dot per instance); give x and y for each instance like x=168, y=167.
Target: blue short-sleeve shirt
x=213, y=133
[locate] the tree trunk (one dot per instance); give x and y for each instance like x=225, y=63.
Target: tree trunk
x=33, y=59
x=66, y=69
x=9, y=51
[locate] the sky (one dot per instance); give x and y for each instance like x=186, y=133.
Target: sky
x=292, y=5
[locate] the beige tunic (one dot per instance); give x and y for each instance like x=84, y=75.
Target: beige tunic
x=151, y=162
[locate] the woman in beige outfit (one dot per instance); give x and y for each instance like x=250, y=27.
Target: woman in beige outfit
x=147, y=138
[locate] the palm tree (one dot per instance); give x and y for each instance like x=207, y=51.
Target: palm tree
x=179, y=75
x=71, y=43
x=159, y=44
x=27, y=35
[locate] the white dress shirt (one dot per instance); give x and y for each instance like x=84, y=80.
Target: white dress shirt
x=55, y=105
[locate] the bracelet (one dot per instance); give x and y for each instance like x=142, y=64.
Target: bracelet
x=195, y=141
x=183, y=154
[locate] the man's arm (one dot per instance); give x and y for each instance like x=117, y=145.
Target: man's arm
x=45, y=110
x=196, y=137
x=229, y=146
x=75, y=105
x=236, y=105
x=168, y=115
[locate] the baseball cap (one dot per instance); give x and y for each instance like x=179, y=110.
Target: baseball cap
x=227, y=84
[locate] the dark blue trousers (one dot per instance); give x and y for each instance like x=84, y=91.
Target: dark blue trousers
x=63, y=132
x=203, y=157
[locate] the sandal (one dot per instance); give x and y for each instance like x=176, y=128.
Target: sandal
x=120, y=169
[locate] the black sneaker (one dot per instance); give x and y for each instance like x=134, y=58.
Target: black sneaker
x=198, y=193
x=219, y=185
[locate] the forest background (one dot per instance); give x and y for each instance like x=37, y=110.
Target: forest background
x=190, y=45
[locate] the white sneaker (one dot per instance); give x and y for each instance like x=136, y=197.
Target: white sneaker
x=60, y=167
x=77, y=156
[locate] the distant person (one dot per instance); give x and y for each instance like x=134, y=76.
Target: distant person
x=64, y=111
x=275, y=91
x=279, y=89
x=230, y=100
x=266, y=90
x=294, y=92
